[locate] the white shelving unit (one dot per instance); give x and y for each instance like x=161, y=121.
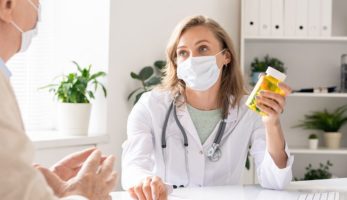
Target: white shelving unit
x=310, y=62
x=320, y=151
x=290, y=39
x=328, y=95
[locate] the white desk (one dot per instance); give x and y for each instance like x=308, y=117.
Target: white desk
x=251, y=192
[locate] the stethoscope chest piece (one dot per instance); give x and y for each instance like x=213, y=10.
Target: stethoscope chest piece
x=214, y=153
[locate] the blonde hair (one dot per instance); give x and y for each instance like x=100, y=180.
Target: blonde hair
x=232, y=86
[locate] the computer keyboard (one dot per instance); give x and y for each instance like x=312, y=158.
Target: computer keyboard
x=320, y=196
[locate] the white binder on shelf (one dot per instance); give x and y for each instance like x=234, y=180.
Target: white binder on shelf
x=301, y=28
x=277, y=17
x=314, y=18
x=289, y=17
x=265, y=17
x=251, y=17
x=326, y=17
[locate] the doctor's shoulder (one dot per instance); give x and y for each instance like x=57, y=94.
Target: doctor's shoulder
x=156, y=98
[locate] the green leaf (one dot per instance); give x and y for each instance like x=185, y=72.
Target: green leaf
x=96, y=75
x=132, y=93
x=96, y=83
x=135, y=76
x=89, y=67
x=91, y=95
x=153, y=81
x=71, y=77
x=145, y=73
x=138, y=96
x=160, y=64
x=78, y=66
x=104, y=89
x=85, y=73
x=47, y=86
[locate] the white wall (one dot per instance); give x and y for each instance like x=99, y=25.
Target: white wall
x=138, y=36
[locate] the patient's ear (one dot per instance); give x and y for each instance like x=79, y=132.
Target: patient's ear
x=6, y=10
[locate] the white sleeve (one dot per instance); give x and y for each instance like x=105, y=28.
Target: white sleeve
x=137, y=157
x=269, y=174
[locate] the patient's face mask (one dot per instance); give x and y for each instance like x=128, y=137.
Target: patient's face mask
x=27, y=36
x=199, y=73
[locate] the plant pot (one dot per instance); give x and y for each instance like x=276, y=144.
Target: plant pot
x=73, y=119
x=255, y=77
x=313, y=143
x=332, y=139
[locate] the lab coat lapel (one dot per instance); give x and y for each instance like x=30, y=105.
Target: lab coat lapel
x=187, y=123
x=231, y=122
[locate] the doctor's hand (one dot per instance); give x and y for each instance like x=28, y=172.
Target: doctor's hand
x=152, y=188
x=94, y=179
x=273, y=104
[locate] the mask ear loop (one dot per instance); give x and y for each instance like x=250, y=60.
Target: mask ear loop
x=220, y=52
x=17, y=27
x=32, y=3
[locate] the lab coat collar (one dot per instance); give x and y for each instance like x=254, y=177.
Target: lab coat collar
x=4, y=69
x=187, y=123
x=182, y=110
x=233, y=114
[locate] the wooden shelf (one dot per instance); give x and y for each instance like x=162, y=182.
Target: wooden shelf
x=298, y=94
x=301, y=39
x=320, y=150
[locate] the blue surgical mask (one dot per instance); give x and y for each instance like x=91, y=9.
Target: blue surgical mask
x=199, y=73
x=27, y=36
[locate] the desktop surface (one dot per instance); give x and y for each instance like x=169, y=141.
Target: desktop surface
x=255, y=192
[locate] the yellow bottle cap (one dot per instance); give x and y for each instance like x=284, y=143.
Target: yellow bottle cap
x=276, y=74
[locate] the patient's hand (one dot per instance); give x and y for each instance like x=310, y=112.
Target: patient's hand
x=93, y=178
x=152, y=188
x=69, y=166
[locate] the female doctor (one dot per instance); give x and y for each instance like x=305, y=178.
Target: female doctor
x=196, y=129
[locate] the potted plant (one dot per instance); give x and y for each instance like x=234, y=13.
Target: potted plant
x=315, y=174
x=149, y=77
x=329, y=122
x=74, y=93
x=313, y=141
x=260, y=66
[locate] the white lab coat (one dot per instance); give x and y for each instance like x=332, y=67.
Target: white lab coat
x=142, y=152
x=18, y=179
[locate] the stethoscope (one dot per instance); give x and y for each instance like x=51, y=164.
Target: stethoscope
x=213, y=154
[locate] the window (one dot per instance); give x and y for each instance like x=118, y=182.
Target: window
x=69, y=30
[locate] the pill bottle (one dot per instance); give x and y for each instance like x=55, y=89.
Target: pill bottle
x=268, y=82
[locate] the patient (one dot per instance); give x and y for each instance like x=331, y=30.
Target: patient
x=80, y=176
